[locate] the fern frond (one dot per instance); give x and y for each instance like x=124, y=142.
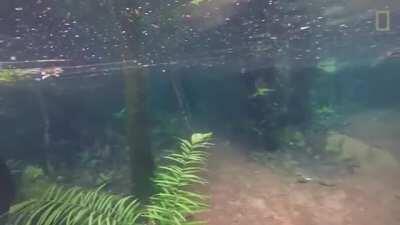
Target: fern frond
x=170, y=206
x=174, y=202
x=76, y=206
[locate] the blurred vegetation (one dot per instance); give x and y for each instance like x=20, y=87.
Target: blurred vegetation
x=261, y=92
x=11, y=76
x=32, y=173
x=33, y=182
x=171, y=205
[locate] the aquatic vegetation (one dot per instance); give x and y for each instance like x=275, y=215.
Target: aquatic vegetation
x=332, y=65
x=292, y=138
x=328, y=65
x=325, y=111
x=171, y=205
x=262, y=91
x=6, y=76
x=120, y=114
x=174, y=201
x=76, y=205
x=33, y=173
x=167, y=126
x=197, y=2
x=105, y=178
x=325, y=117
x=33, y=182
x=9, y=76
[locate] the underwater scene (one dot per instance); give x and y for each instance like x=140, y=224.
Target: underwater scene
x=186, y=112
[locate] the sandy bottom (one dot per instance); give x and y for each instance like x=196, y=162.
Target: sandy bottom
x=244, y=192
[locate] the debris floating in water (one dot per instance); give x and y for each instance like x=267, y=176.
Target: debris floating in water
x=50, y=72
x=197, y=2
x=305, y=28
x=21, y=63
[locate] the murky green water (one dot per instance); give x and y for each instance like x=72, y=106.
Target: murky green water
x=301, y=98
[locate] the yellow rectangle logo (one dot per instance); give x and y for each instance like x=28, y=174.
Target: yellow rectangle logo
x=382, y=20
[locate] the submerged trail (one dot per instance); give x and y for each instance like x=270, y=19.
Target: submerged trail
x=244, y=192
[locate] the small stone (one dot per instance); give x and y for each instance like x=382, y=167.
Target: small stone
x=303, y=179
x=326, y=183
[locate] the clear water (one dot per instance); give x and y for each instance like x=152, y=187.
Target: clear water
x=301, y=96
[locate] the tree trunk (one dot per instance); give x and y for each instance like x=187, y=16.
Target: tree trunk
x=141, y=158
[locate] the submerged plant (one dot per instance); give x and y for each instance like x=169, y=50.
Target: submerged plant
x=32, y=173
x=10, y=76
x=328, y=65
x=197, y=2
x=170, y=206
x=76, y=205
x=325, y=111
x=105, y=177
x=174, y=202
x=262, y=92
x=121, y=114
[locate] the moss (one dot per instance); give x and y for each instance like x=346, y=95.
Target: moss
x=7, y=76
x=10, y=76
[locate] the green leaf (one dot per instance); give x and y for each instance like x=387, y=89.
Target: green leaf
x=200, y=138
x=170, y=206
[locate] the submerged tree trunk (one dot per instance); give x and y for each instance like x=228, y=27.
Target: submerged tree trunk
x=141, y=158
x=37, y=91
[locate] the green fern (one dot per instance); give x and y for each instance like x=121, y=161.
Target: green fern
x=170, y=206
x=76, y=206
x=174, y=202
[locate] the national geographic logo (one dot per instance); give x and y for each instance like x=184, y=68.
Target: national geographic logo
x=382, y=20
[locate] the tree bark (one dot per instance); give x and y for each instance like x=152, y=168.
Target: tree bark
x=141, y=158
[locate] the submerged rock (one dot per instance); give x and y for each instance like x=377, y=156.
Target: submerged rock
x=367, y=157
x=301, y=178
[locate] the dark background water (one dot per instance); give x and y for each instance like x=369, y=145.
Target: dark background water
x=81, y=111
